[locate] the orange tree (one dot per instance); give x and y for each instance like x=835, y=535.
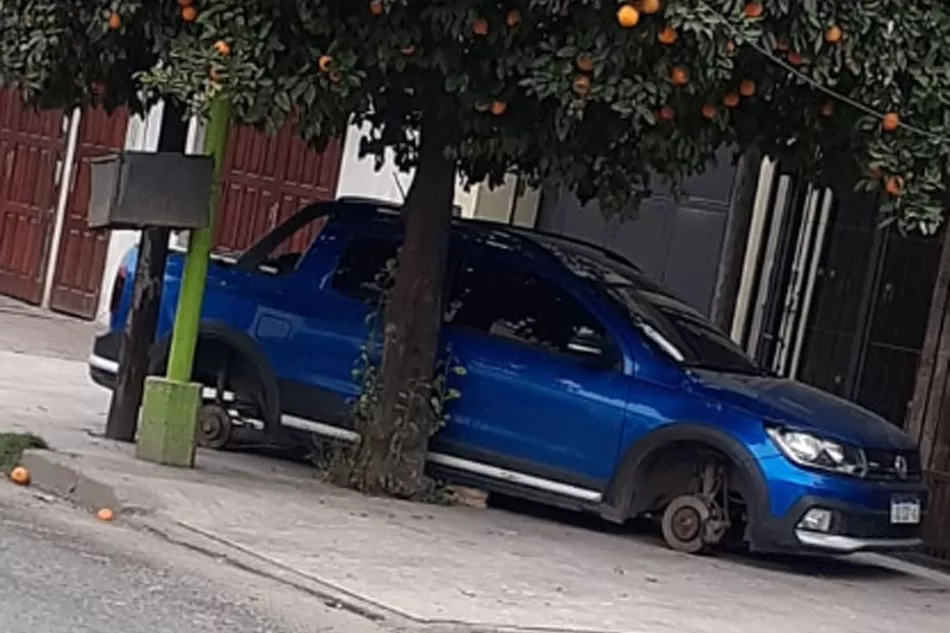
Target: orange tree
x=606, y=97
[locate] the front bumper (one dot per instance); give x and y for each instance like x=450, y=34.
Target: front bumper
x=853, y=529
x=104, y=359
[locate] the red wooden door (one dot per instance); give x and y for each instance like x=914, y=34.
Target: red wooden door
x=31, y=144
x=268, y=178
x=82, y=252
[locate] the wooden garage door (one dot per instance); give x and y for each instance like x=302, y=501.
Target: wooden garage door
x=268, y=178
x=82, y=253
x=31, y=144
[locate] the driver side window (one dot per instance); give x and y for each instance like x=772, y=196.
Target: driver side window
x=507, y=302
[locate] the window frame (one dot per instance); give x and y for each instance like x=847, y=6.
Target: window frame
x=254, y=258
x=612, y=340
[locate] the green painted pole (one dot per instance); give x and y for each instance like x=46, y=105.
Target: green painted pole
x=188, y=315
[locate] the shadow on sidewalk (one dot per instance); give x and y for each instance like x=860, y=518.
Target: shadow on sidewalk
x=647, y=532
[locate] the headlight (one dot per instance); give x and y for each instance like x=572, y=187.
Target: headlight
x=812, y=451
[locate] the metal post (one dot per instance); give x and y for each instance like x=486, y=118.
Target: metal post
x=188, y=314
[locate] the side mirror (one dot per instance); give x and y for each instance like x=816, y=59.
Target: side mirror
x=592, y=347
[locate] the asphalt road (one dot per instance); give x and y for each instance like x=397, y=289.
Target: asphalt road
x=63, y=572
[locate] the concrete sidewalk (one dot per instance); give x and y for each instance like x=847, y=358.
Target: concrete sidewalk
x=26, y=329
x=445, y=568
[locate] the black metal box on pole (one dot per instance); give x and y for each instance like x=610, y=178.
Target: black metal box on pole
x=138, y=190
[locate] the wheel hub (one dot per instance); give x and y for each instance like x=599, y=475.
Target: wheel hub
x=214, y=426
x=687, y=523
x=684, y=524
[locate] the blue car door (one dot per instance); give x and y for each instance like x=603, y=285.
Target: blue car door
x=331, y=326
x=531, y=411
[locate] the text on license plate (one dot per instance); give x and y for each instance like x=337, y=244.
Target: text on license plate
x=905, y=510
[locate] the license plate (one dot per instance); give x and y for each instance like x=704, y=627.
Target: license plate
x=905, y=510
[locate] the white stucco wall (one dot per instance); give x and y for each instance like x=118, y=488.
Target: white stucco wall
x=359, y=177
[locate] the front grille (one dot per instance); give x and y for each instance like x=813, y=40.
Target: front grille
x=875, y=525
x=882, y=465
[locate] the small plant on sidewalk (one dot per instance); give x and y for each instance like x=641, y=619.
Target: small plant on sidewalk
x=342, y=464
x=12, y=446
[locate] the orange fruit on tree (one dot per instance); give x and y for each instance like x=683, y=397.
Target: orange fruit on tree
x=794, y=58
x=833, y=34
x=20, y=476
x=376, y=7
x=666, y=113
x=185, y=3
x=709, y=111
x=679, y=76
x=189, y=14
x=731, y=100
x=222, y=48
x=115, y=21
x=890, y=121
x=513, y=18
x=650, y=6
x=584, y=63
x=894, y=185
x=827, y=108
x=408, y=50
x=498, y=107
x=581, y=85
x=753, y=10
x=667, y=36
x=105, y=514
x=747, y=87
x=480, y=27
x=324, y=63
x=627, y=16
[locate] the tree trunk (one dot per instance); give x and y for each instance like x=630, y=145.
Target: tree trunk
x=391, y=456
x=138, y=335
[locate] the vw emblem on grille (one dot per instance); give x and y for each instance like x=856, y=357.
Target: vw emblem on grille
x=900, y=467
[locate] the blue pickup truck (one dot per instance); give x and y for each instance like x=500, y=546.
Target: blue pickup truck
x=587, y=386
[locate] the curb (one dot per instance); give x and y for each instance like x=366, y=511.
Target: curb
x=213, y=546
x=50, y=473
x=53, y=473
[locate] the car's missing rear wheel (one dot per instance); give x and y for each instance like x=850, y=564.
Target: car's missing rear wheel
x=214, y=427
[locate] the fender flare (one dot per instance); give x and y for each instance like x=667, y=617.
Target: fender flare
x=622, y=491
x=247, y=348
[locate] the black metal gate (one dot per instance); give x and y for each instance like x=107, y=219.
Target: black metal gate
x=872, y=298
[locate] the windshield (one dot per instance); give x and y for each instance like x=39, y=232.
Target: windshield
x=682, y=332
